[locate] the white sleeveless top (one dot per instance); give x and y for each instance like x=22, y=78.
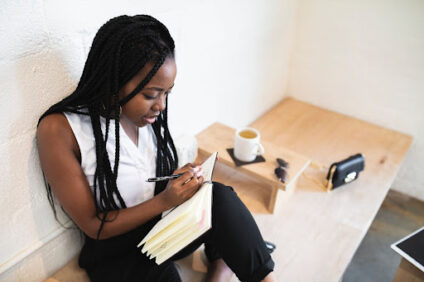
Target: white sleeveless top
x=136, y=164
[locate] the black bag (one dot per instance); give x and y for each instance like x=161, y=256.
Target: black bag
x=345, y=171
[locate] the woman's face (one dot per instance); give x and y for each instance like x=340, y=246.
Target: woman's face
x=146, y=105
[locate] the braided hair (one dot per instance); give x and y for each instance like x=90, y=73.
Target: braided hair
x=120, y=49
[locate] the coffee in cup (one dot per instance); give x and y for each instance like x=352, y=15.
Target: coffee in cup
x=247, y=144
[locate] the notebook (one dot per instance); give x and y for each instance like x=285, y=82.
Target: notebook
x=183, y=224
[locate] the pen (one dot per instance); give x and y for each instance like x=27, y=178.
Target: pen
x=163, y=178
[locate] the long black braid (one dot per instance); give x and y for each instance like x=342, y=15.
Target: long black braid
x=120, y=49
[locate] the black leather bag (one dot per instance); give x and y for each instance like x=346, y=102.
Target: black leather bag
x=345, y=171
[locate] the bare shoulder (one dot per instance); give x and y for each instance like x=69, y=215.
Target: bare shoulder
x=55, y=131
x=61, y=166
x=53, y=124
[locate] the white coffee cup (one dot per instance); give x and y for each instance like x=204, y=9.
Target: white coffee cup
x=247, y=144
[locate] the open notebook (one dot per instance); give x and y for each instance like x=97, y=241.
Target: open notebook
x=183, y=224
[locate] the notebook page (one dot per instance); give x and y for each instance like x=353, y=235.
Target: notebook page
x=208, y=166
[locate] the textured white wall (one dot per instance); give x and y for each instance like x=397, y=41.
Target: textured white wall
x=366, y=59
x=232, y=61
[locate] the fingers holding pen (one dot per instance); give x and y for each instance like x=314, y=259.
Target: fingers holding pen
x=184, y=187
x=191, y=175
x=195, y=168
x=192, y=184
x=196, y=184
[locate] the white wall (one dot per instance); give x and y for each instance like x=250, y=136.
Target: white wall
x=232, y=61
x=366, y=59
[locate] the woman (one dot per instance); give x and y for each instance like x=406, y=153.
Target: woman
x=99, y=145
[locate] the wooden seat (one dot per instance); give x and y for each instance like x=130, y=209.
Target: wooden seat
x=69, y=273
x=191, y=268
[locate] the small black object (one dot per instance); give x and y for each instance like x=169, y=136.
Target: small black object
x=282, y=163
x=281, y=174
x=281, y=171
x=237, y=162
x=345, y=171
x=270, y=246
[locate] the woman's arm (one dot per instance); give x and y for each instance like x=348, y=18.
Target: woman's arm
x=59, y=158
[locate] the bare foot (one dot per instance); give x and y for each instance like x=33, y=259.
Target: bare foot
x=219, y=272
x=269, y=278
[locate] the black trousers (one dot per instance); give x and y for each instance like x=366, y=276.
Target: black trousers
x=234, y=237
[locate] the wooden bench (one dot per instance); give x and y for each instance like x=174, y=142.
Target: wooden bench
x=317, y=233
x=69, y=273
x=191, y=268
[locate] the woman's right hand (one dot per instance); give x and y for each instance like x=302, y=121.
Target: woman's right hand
x=179, y=190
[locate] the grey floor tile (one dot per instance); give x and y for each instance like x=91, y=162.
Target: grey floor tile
x=374, y=260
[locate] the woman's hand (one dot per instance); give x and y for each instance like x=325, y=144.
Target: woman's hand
x=184, y=187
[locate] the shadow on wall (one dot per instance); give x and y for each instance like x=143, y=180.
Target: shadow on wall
x=42, y=80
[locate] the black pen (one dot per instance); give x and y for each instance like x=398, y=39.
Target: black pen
x=163, y=178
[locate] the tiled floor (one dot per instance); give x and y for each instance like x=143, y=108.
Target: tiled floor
x=374, y=260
